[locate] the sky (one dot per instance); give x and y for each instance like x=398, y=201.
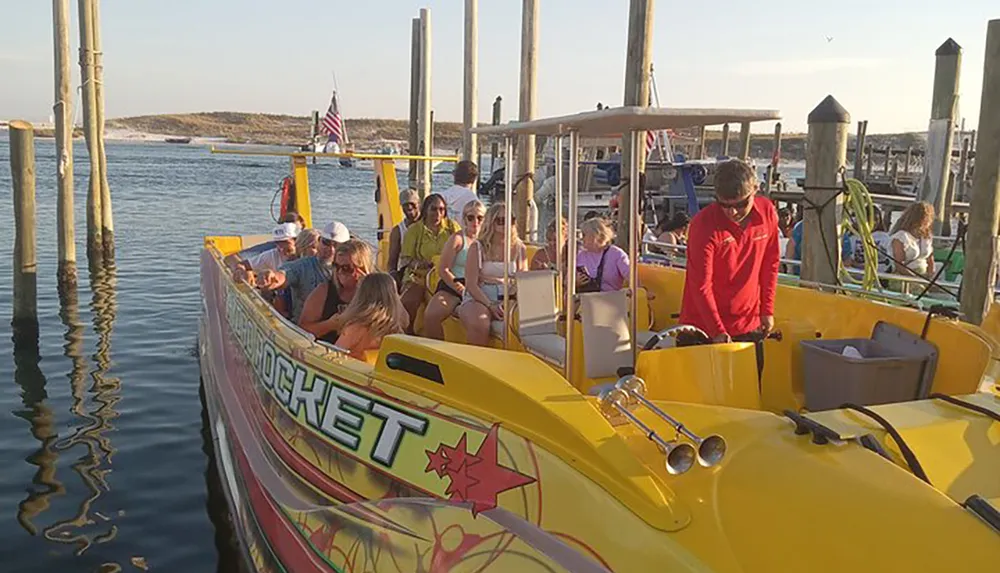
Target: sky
x=182, y=56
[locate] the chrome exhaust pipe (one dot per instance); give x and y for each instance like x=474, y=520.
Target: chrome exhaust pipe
x=711, y=449
x=680, y=456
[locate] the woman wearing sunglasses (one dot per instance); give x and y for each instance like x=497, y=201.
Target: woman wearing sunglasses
x=451, y=269
x=423, y=241
x=482, y=301
x=323, y=309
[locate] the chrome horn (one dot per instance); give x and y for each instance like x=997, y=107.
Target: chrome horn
x=711, y=449
x=680, y=456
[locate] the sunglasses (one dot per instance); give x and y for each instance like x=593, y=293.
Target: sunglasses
x=500, y=220
x=413, y=206
x=438, y=209
x=329, y=242
x=471, y=218
x=735, y=206
x=346, y=269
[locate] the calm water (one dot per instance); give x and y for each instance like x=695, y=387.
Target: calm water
x=103, y=460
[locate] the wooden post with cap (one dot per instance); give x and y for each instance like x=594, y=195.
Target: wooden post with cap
x=941, y=132
x=826, y=158
x=984, y=203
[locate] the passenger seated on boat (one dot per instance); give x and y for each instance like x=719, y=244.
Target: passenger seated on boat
x=323, y=309
x=376, y=311
x=912, y=245
x=302, y=276
x=409, y=200
x=451, y=270
x=854, y=247
x=545, y=258
x=482, y=304
x=280, y=250
x=293, y=217
x=306, y=245
x=673, y=231
x=732, y=264
x=456, y=197
x=423, y=241
x=601, y=266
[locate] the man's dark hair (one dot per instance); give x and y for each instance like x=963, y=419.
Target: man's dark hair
x=734, y=179
x=466, y=173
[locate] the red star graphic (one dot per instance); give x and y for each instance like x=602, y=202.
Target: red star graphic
x=478, y=477
x=437, y=460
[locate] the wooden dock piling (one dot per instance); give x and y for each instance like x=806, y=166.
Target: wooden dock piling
x=470, y=111
x=95, y=219
x=826, y=155
x=494, y=147
x=22, y=171
x=869, y=159
x=745, y=141
x=963, y=171
x=984, y=209
x=638, y=67
x=702, y=132
x=527, y=108
x=63, y=111
x=424, y=127
x=859, y=149
x=941, y=131
x=725, y=140
x=414, y=97
x=107, y=219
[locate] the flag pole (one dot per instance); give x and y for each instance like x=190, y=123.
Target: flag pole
x=343, y=118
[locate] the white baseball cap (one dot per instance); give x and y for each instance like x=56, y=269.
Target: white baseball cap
x=336, y=232
x=285, y=231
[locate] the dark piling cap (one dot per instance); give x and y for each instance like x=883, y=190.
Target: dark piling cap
x=949, y=48
x=829, y=111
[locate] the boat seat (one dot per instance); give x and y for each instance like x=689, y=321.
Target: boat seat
x=538, y=315
x=606, y=344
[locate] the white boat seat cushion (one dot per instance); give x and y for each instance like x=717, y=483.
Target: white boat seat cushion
x=549, y=347
x=606, y=345
x=537, y=311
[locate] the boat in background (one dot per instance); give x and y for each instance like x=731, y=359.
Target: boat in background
x=177, y=140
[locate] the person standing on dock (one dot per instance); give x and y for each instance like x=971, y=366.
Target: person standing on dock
x=463, y=191
x=732, y=266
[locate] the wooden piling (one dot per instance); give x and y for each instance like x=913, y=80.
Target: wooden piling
x=525, y=164
x=95, y=241
x=869, y=159
x=22, y=171
x=745, y=141
x=470, y=109
x=702, y=133
x=984, y=203
x=424, y=128
x=909, y=158
x=107, y=220
x=941, y=131
x=963, y=171
x=859, y=149
x=826, y=149
x=414, y=97
x=494, y=147
x=888, y=158
x=638, y=66
x=949, y=198
x=725, y=141
x=63, y=111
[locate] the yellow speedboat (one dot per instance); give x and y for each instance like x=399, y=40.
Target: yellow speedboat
x=439, y=456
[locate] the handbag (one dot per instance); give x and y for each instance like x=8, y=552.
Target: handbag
x=586, y=284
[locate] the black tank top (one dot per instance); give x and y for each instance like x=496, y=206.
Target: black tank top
x=331, y=306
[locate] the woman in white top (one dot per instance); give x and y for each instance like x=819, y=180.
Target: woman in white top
x=911, y=240
x=482, y=301
x=451, y=270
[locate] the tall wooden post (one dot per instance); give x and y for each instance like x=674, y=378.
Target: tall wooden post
x=963, y=171
x=888, y=158
x=772, y=168
x=702, y=133
x=424, y=128
x=826, y=149
x=949, y=198
x=725, y=141
x=107, y=220
x=527, y=108
x=95, y=241
x=65, y=232
x=869, y=160
x=470, y=109
x=745, y=141
x=638, y=63
x=941, y=133
x=984, y=204
x=909, y=159
x=859, y=149
x=414, y=97
x=313, y=132
x=496, y=121
x=22, y=171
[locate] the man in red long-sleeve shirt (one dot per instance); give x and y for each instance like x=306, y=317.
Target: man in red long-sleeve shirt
x=732, y=264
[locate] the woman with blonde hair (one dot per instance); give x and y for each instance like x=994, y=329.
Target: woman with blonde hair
x=375, y=312
x=451, y=270
x=323, y=310
x=545, y=258
x=484, y=275
x=600, y=266
x=911, y=240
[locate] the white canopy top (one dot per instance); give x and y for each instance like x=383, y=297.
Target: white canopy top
x=621, y=120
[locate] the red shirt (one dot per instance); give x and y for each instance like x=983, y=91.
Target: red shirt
x=732, y=271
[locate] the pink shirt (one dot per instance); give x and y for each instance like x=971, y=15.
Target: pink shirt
x=616, y=267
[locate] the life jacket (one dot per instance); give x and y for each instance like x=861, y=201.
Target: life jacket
x=287, y=196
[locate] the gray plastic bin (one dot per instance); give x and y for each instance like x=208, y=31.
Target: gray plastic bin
x=897, y=366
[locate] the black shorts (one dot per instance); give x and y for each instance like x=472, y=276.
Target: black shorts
x=443, y=287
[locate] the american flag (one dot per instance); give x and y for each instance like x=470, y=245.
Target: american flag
x=332, y=124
